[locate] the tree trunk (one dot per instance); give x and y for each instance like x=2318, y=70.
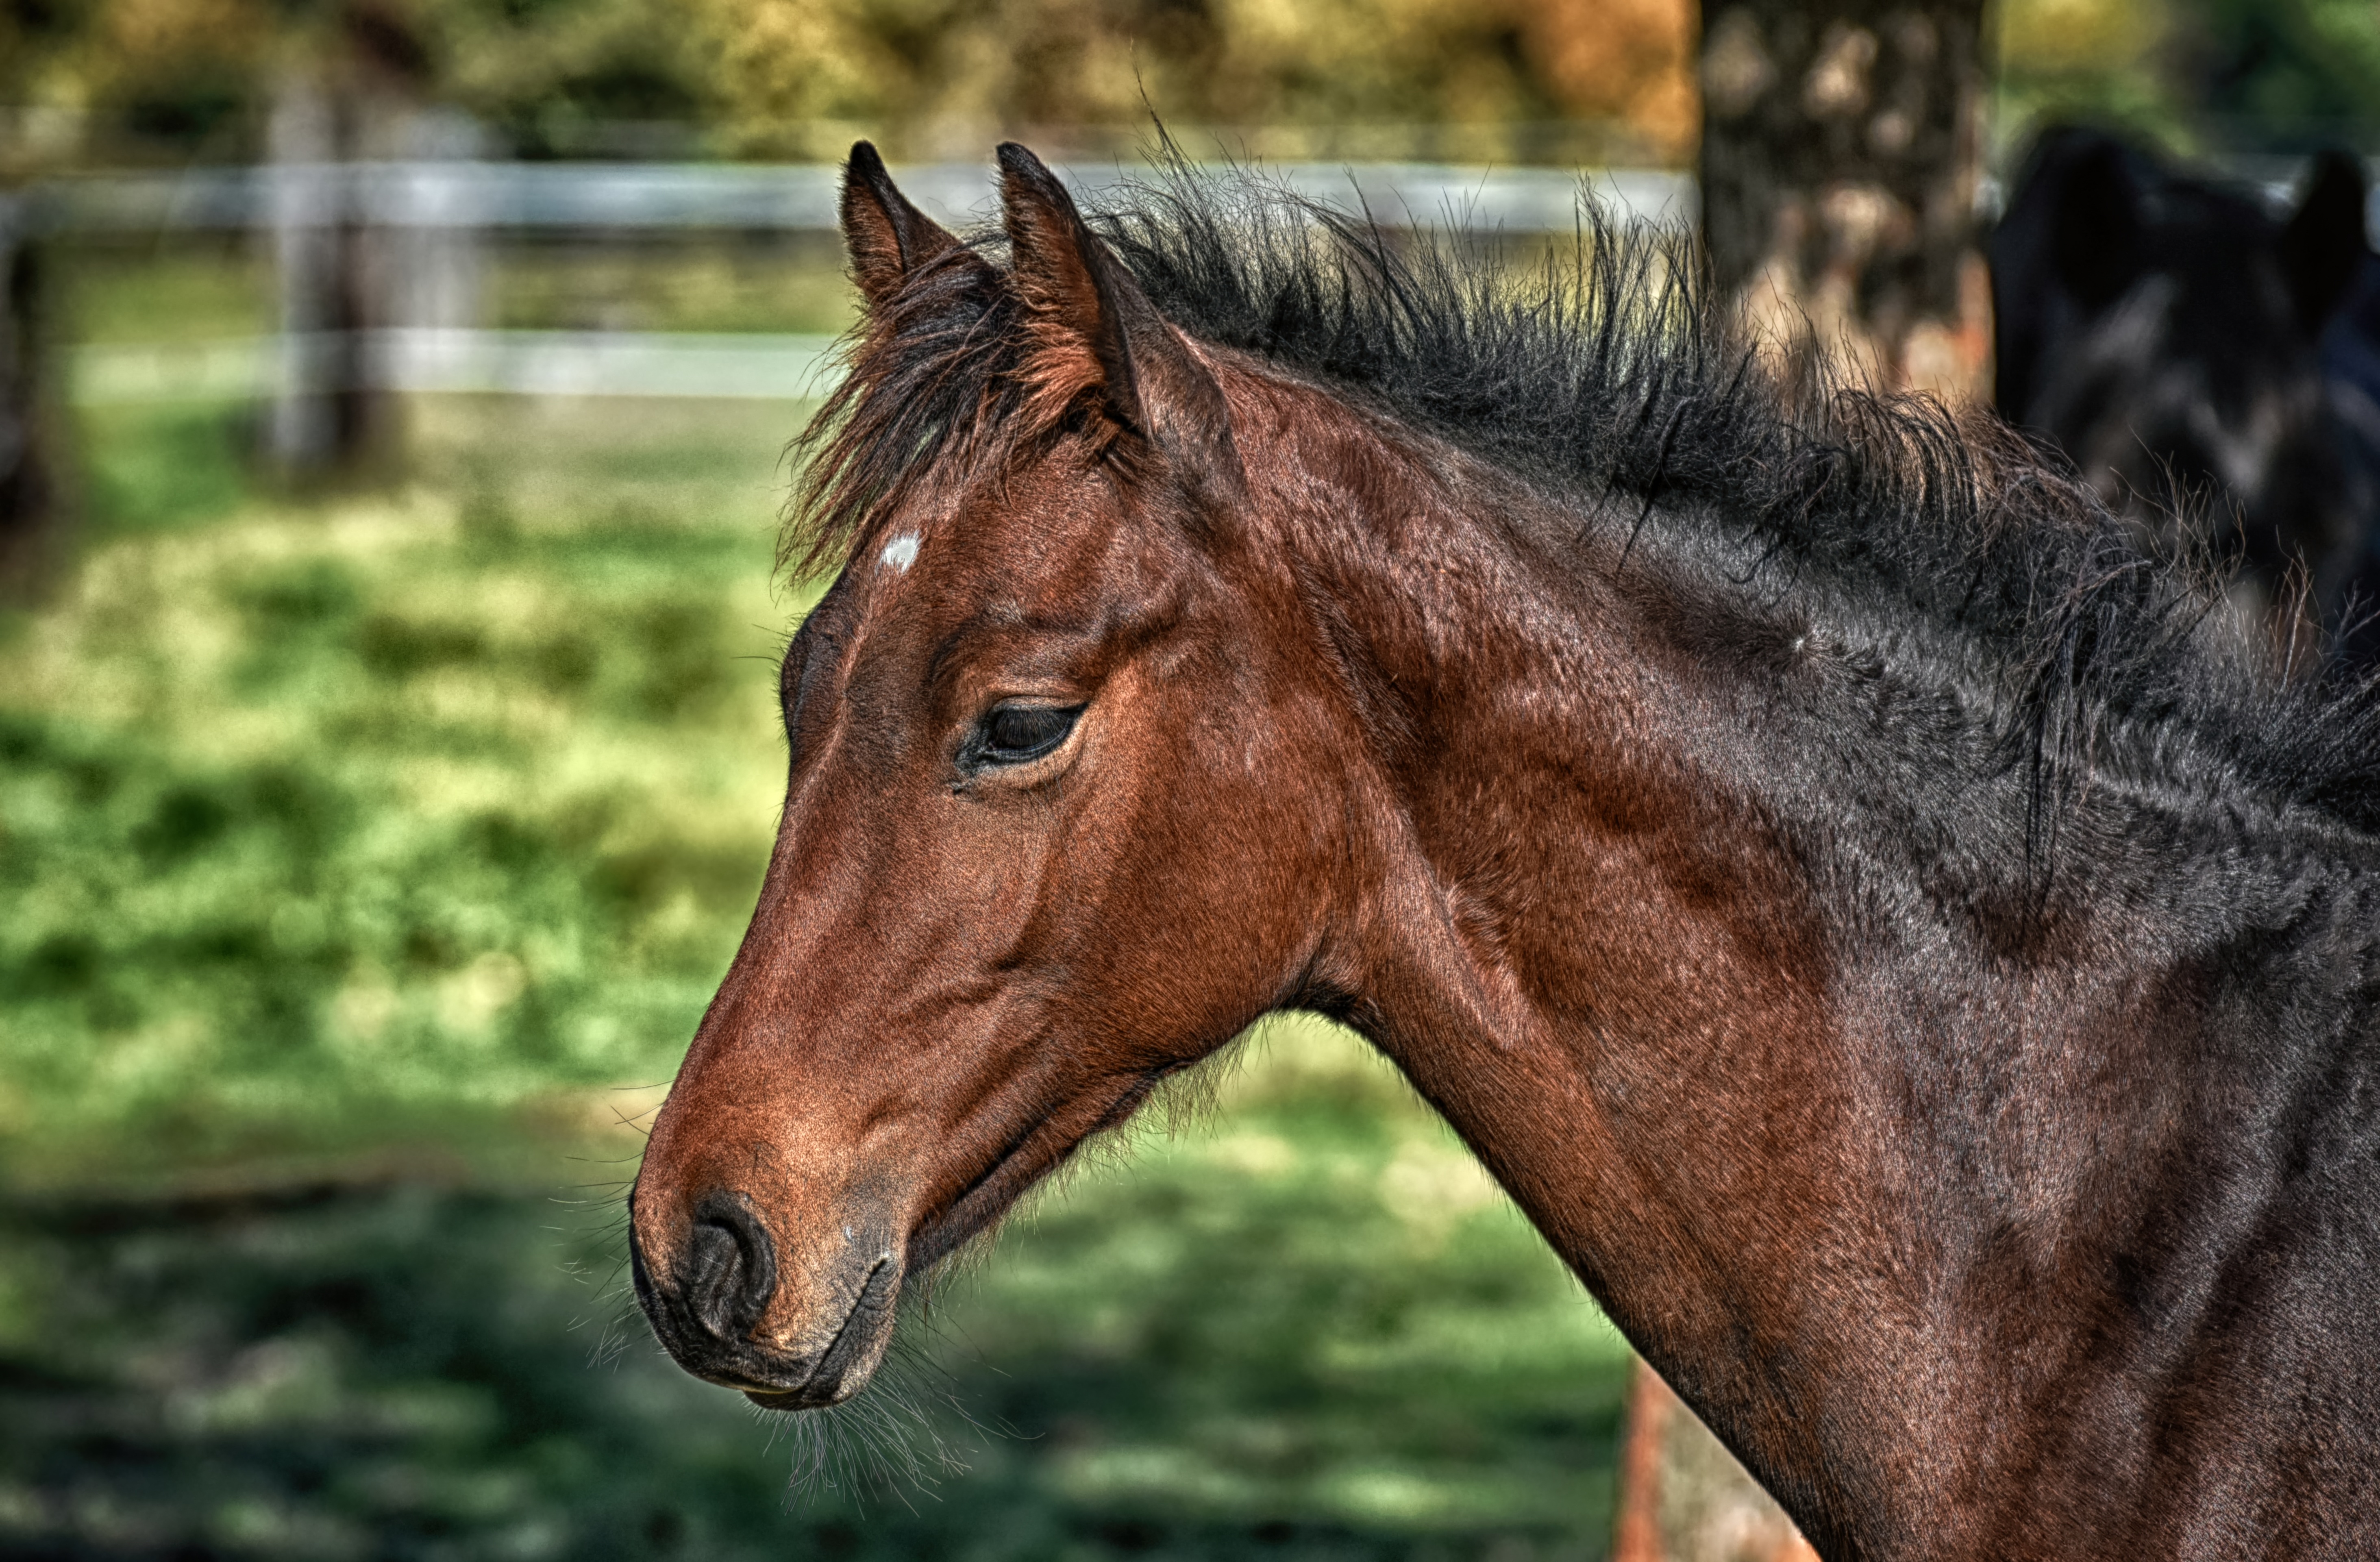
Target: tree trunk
x=1841, y=149
x=346, y=278
x=321, y=415
x=31, y=507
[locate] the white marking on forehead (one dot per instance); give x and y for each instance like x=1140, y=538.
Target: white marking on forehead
x=901, y=552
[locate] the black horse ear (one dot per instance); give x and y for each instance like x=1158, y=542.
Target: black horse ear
x=2095, y=242
x=1096, y=330
x=2325, y=242
x=887, y=237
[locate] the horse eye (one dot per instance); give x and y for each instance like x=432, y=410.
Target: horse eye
x=1014, y=733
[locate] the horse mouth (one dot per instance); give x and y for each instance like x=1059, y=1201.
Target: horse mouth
x=721, y=1343
x=843, y=1368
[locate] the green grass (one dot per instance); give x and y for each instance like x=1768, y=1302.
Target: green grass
x=441, y=799
x=358, y=851
x=149, y=467
x=192, y=290
x=199, y=289
x=793, y=284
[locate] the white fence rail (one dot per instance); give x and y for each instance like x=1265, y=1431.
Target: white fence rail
x=627, y=197
x=536, y=363
x=435, y=210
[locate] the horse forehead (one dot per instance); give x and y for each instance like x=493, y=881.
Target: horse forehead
x=1055, y=539
x=1027, y=548
x=920, y=591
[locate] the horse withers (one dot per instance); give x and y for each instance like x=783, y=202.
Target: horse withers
x=1902, y=948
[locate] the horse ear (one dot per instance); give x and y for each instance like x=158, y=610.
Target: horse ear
x=887, y=237
x=2325, y=242
x=2095, y=242
x=1096, y=330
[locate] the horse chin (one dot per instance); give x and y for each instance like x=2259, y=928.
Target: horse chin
x=807, y=1397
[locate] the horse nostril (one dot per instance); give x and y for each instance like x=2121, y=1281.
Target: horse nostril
x=731, y=1266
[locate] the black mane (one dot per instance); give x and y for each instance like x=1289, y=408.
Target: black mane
x=1607, y=372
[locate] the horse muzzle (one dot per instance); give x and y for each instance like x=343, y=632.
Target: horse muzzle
x=732, y=1309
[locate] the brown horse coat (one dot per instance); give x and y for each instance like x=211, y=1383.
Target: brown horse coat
x=1917, y=975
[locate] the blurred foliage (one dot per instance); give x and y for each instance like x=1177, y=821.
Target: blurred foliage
x=794, y=285
x=196, y=291
x=1527, y=79
x=2249, y=76
x=798, y=77
x=2281, y=74
x=547, y=75
x=2096, y=59
x=949, y=70
x=144, y=292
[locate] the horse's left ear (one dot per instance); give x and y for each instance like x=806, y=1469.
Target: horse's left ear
x=887, y=237
x=2324, y=243
x=1096, y=330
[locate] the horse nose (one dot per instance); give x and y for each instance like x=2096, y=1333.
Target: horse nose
x=730, y=1268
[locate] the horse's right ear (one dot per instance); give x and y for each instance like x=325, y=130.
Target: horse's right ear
x=1096, y=330
x=887, y=237
x=2324, y=244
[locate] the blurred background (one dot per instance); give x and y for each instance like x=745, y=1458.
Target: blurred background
x=391, y=407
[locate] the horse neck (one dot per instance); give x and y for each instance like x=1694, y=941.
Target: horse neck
x=1598, y=917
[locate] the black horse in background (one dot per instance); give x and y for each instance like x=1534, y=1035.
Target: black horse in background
x=2197, y=358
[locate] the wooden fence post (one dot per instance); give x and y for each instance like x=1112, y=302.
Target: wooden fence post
x=1684, y=1498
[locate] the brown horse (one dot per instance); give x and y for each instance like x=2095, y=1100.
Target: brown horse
x=1919, y=976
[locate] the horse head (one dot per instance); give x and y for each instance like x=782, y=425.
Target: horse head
x=1043, y=841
